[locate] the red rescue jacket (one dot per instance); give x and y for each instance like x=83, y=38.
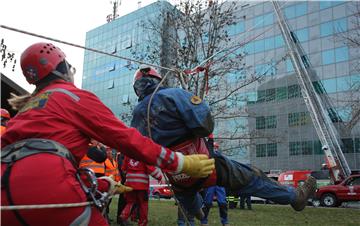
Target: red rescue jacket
x=137, y=173
x=71, y=116
x=183, y=181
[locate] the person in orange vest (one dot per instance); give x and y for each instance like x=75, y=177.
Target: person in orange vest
x=111, y=170
x=5, y=117
x=137, y=176
x=111, y=166
x=86, y=162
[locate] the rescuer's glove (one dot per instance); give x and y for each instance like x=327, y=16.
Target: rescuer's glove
x=198, y=165
x=116, y=187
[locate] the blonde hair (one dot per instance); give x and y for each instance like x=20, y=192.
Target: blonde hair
x=17, y=102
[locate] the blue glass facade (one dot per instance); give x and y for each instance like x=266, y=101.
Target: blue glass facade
x=111, y=78
x=284, y=136
x=275, y=105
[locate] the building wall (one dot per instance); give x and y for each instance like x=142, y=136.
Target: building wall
x=111, y=78
x=275, y=104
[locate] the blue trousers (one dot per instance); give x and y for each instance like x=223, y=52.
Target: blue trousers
x=242, y=178
x=221, y=200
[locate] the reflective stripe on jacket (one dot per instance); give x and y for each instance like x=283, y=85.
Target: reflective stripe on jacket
x=137, y=173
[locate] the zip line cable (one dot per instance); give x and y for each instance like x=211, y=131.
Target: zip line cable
x=83, y=47
x=231, y=49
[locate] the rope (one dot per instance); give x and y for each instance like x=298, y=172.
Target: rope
x=83, y=47
x=45, y=206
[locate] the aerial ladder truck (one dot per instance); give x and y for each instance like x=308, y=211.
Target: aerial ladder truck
x=319, y=107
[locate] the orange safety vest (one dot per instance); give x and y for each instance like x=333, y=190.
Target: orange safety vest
x=111, y=168
x=87, y=162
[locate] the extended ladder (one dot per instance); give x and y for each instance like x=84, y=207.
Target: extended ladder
x=328, y=135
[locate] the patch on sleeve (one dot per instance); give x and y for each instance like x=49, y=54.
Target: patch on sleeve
x=195, y=100
x=37, y=102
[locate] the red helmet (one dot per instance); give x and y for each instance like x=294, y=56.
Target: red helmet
x=145, y=70
x=5, y=113
x=39, y=59
x=216, y=145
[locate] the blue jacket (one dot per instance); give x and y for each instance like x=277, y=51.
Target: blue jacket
x=175, y=116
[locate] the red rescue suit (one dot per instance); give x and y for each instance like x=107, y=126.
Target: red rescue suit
x=137, y=177
x=184, y=182
x=70, y=116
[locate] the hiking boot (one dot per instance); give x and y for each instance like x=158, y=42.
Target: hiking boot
x=303, y=193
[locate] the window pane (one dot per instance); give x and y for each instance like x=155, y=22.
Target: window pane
x=270, y=122
x=302, y=35
x=348, y=145
x=268, y=19
x=269, y=43
x=294, y=91
x=271, y=149
x=307, y=147
x=340, y=25
x=326, y=29
x=270, y=94
x=325, y=4
x=301, y=9
x=258, y=46
x=343, y=83
x=289, y=66
x=329, y=85
x=328, y=57
x=279, y=41
x=260, y=122
x=295, y=148
x=289, y=12
x=341, y=54
x=261, y=150
x=261, y=96
x=258, y=21
x=281, y=93
x=293, y=119
x=357, y=145
x=249, y=48
x=344, y=113
x=304, y=118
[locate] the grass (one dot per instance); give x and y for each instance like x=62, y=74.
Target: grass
x=164, y=213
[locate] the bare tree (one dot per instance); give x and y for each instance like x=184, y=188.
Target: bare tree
x=6, y=55
x=351, y=99
x=194, y=38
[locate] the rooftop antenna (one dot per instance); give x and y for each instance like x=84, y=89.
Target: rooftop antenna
x=114, y=15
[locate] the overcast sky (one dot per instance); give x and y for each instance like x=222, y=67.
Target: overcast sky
x=67, y=20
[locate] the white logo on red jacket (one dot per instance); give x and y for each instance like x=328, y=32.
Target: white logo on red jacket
x=133, y=162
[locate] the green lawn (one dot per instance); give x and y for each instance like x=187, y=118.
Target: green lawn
x=164, y=213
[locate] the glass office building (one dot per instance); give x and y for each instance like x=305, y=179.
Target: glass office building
x=111, y=78
x=275, y=105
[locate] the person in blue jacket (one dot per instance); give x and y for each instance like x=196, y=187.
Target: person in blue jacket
x=180, y=121
x=213, y=191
